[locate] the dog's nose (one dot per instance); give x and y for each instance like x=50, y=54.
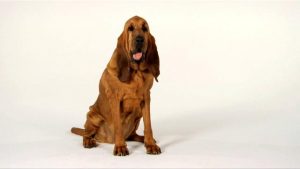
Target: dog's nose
x=139, y=40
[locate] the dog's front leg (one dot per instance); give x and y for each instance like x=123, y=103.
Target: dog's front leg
x=150, y=143
x=120, y=145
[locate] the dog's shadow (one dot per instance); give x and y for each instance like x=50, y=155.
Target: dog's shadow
x=177, y=129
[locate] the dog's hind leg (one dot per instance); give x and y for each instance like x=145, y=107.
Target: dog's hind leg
x=90, y=129
x=135, y=137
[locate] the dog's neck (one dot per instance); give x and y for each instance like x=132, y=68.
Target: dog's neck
x=141, y=66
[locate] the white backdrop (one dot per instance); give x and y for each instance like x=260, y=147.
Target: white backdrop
x=228, y=94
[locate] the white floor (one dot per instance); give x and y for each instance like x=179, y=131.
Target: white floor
x=228, y=95
x=220, y=138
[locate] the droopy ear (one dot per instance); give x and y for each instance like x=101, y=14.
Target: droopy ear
x=124, y=71
x=152, y=58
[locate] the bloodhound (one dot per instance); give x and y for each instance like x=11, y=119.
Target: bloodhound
x=125, y=93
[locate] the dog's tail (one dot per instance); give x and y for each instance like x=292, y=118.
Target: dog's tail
x=77, y=131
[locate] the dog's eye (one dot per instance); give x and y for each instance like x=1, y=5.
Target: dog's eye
x=130, y=28
x=144, y=29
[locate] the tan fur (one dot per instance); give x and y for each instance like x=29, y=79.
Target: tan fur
x=124, y=94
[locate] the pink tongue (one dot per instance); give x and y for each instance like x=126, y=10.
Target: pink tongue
x=137, y=56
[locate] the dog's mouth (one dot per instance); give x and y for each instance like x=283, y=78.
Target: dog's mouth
x=137, y=56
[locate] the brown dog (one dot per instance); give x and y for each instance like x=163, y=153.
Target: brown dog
x=125, y=92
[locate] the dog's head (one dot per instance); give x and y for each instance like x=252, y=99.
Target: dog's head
x=136, y=45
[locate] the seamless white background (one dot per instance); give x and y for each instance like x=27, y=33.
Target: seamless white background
x=228, y=94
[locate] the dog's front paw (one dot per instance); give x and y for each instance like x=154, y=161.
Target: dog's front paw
x=153, y=149
x=89, y=142
x=121, y=151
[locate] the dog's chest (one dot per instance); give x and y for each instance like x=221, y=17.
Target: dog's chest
x=135, y=91
x=137, y=86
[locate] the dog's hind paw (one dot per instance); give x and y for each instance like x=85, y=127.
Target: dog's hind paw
x=89, y=142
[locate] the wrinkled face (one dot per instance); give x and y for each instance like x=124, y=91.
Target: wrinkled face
x=137, y=38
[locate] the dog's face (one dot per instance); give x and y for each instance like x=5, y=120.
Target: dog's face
x=137, y=31
x=136, y=45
